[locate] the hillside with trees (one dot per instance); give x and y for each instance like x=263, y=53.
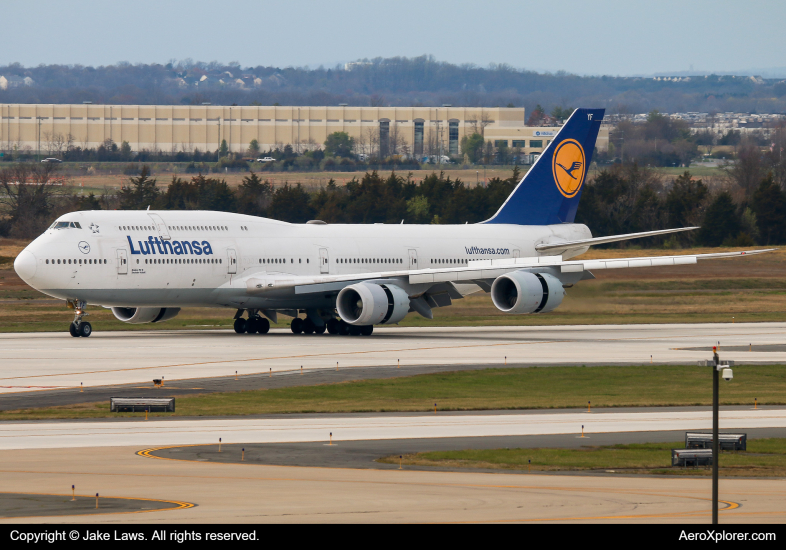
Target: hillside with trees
x=397, y=81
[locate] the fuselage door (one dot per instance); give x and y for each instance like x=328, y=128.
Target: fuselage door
x=324, y=261
x=122, y=261
x=163, y=231
x=413, y=259
x=231, y=261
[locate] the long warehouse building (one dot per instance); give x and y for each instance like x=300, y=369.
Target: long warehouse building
x=172, y=128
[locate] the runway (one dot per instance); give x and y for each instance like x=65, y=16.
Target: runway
x=47, y=361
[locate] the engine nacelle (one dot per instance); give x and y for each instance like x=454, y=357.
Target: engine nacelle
x=139, y=315
x=372, y=304
x=525, y=292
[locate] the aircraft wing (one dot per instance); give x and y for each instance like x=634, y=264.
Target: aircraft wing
x=488, y=269
x=603, y=240
x=477, y=270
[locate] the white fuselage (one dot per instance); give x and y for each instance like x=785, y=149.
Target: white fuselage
x=204, y=258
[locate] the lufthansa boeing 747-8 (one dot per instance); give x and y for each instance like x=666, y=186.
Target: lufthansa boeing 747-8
x=146, y=265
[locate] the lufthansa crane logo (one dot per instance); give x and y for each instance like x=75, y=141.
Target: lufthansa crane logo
x=569, y=167
x=84, y=248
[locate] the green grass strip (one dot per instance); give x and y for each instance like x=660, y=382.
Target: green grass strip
x=487, y=389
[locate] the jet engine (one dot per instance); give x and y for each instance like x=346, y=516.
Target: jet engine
x=525, y=292
x=139, y=315
x=372, y=304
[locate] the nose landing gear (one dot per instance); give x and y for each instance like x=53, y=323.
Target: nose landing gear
x=78, y=327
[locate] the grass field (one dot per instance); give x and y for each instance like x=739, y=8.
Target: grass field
x=488, y=389
x=110, y=183
x=763, y=458
x=749, y=289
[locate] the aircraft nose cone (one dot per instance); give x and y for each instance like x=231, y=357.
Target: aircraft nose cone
x=25, y=265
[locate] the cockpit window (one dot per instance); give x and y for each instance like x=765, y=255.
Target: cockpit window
x=65, y=225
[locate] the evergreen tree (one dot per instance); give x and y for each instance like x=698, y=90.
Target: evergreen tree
x=254, y=195
x=683, y=199
x=721, y=221
x=769, y=205
x=290, y=203
x=141, y=193
x=89, y=202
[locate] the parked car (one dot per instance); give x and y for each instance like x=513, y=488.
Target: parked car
x=266, y=159
x=53, y=160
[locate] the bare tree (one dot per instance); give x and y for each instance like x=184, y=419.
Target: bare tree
x=396, y=141
x=748, y=170
x=48, y=143
x=485, y=120
x=372, y=137
x=431, y=142
x=32, y=193
x=360, y=145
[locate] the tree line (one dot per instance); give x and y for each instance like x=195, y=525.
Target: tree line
x=397, y=81
x=622, y=198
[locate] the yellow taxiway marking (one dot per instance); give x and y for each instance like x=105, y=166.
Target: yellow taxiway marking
x=730, y=505
x=177, y=505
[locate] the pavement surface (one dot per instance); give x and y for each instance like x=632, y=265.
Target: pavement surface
x=346, y=427
x=251, y=493
x=22, y=505
x=52, y=361
x=108, y=456
x=364, y=454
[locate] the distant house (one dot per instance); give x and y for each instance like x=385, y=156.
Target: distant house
x=13, y=81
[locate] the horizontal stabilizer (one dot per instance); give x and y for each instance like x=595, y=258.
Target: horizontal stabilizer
x=611, y=239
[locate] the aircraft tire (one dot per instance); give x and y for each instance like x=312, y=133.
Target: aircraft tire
x=251, y=325
x=366, y=330
x=85, y=329
x=73, y=330
x=263, y=326
x=332, y=326
x=320, y=329
x=354, y=330
x=308, y=326
x=297, y=325
x=240, y=325
x=343, y=328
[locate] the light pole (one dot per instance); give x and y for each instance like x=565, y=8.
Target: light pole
x=727, y=375
x=715, y=446
x=38, y=156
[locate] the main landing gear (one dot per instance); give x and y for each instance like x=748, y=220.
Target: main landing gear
x=253, y=325
x=79, y=327
x=333, y=326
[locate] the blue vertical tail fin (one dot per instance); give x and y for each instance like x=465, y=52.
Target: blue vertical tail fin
x=549, y=192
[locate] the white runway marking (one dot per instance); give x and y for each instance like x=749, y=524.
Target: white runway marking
x=280, y=430
x=30, y=361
